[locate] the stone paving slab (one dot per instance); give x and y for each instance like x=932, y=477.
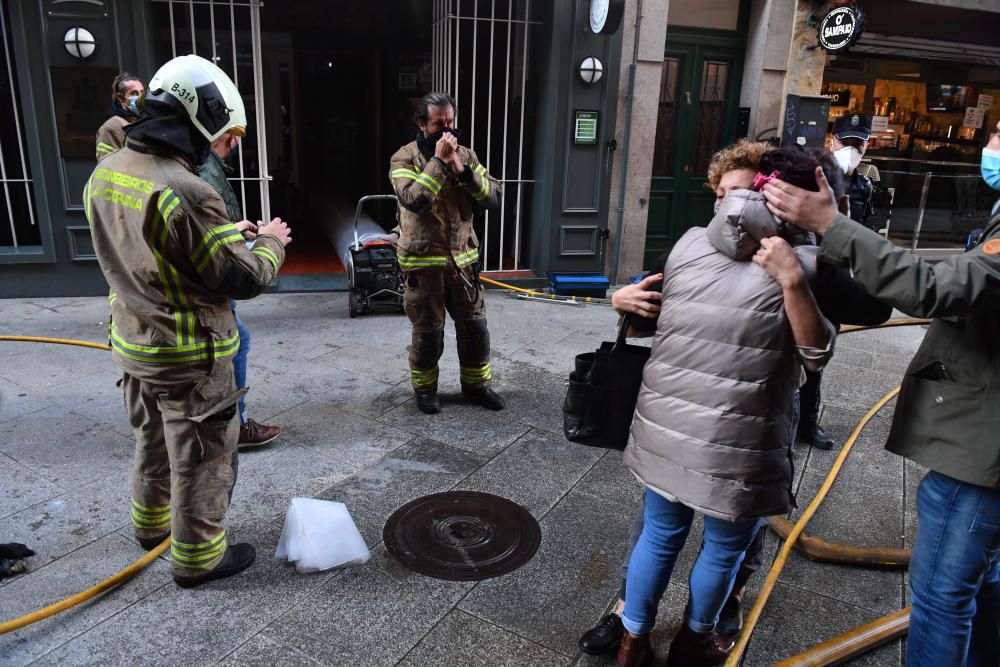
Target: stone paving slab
x=797, y=619
x=461, y=639
x=534, y=472
x=71, y=574
x=371, y=615
x=418, y=468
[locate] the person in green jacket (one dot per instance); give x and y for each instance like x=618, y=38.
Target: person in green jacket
x=215, y=172
x=946, y=419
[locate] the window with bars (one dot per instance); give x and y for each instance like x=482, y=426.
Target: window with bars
x=18, y=223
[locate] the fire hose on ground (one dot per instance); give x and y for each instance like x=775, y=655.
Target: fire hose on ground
x=831, y=652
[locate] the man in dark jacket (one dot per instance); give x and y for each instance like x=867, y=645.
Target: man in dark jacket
x=945, y=420
x=215, y=172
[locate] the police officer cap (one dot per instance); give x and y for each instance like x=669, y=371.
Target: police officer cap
x=852, y=125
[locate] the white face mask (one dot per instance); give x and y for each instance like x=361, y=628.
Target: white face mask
x=848, y=158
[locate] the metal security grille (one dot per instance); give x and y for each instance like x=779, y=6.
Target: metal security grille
x=227, y=32
x=480, y=57
x=17, y=207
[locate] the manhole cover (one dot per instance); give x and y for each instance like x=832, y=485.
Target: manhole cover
x=462, y=535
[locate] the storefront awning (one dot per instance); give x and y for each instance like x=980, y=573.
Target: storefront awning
x=927, y=49
x=981, y=5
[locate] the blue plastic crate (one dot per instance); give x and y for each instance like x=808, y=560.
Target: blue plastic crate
x=579, y=284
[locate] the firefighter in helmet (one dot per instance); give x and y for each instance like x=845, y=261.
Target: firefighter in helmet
x=440, y=184
x=173, y=260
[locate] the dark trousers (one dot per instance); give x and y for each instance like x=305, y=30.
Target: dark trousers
x=809, y=400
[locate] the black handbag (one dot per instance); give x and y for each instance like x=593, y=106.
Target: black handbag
x=602, y=391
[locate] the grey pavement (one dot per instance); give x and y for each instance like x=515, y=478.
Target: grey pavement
x=339, y=389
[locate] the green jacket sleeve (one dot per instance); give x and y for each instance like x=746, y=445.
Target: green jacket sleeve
x=956, y=286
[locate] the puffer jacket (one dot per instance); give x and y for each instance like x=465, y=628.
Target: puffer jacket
x=437, y=208
x=713, y=422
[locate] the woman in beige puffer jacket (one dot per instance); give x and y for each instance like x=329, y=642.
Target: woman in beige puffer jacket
x=713, y=425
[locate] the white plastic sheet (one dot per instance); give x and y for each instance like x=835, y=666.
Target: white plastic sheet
x=320, y=535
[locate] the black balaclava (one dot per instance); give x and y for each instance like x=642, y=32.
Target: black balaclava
x=165, y=126
x=426, y=143
x=116, y=109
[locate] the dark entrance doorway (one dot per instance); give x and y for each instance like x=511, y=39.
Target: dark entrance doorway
x=699, y=99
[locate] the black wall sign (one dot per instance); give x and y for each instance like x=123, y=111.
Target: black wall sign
x=841, y=28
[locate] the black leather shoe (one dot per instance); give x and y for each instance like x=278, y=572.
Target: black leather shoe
x=816, y=437
x=150, y=543
x=428, y=402
x=238, y=557
x=485, y=397
x=603, y=638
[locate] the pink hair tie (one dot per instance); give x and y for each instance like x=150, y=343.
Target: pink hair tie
x=760, y=180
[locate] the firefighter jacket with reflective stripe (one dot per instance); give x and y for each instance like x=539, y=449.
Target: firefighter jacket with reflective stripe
x=437, y=208
x=172, y=259
x=111, y=136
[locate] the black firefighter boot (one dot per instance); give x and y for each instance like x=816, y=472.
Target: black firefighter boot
x=427, y=401
x=809, y=430
x=237, y=558
x=485, y=397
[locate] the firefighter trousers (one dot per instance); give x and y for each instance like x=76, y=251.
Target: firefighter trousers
x=185, y=464
x=430, y=293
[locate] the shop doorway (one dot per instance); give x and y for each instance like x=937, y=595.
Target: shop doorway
x=698, y=106
x=329, y=87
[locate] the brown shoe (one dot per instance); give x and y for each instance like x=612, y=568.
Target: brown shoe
x=253, y=435
x=695, y=649
x=635, y=651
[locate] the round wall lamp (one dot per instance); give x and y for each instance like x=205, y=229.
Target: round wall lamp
x=591, y=70
x=79, y=42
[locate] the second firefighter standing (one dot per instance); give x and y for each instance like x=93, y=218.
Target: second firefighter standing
x=440, y=184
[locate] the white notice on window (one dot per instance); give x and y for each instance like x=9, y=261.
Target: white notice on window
x=985, y=102
x=880, y=123
x=973, y=117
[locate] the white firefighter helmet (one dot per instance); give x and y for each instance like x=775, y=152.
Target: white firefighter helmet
x=206, y=93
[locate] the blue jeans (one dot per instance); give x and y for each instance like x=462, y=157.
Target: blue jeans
x=955, y=575
x=663, y=536
x=240, y=361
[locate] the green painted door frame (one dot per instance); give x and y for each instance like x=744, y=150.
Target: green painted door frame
x=699, y=102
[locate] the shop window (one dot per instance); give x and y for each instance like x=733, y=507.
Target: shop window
x=18, y=221
x=666, y=120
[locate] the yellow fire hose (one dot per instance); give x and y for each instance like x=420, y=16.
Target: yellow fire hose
x=542, y=295
x=853, y=643
x=755, y=612
x=822, y=551
x=92, y=592
x=772, y=577
x=58, y=341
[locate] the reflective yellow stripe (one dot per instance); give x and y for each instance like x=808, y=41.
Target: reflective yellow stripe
x=480, y=169
x=150, y=517
x=175, y=355
x=484, y=191
x=267, y=254
x=86, y=198
x=106, y=149
x=467, y=257
x=476, y=374
x=414, y=262
x=196, y=548
x=403, y=173
x=112, y=298
x=429, y=182
x=197, y=556
x=424, y=379
x=211, y=242
x=169, y=278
